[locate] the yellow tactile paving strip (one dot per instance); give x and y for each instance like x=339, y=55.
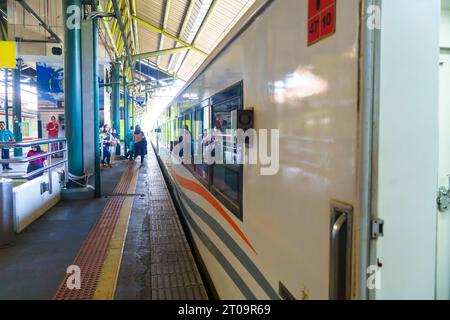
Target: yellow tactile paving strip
x=108, y=278
x=100, y=255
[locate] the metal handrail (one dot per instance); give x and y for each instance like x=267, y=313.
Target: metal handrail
x=28, y=159
x=49, y=167
x=30, y=143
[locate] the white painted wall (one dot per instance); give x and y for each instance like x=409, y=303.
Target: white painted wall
x=408, y=148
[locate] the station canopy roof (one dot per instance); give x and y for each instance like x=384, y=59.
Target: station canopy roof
x=199, y=23
x=173, y=37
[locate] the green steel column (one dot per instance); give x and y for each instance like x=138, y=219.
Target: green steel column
x=132, y=110
x=73, y=88
x=115, y=77
x=17, y=107
x=98, y=184
x=126, y=110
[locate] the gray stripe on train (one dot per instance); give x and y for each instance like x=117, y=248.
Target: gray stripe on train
x=233, y=247
x=226, y=265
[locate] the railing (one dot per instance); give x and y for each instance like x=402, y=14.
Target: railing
x=50, y=166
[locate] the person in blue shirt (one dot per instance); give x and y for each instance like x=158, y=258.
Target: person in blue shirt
x=6, y=136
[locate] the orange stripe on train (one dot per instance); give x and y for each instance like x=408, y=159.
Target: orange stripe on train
x=194, y=187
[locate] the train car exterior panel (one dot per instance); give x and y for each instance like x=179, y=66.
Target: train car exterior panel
x=309, y=93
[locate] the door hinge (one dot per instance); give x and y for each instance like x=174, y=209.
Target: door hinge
x=377, y=228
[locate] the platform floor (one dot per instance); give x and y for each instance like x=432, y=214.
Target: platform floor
x=157, y=262
x=129, y=244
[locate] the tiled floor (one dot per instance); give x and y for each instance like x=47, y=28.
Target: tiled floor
x=157, y=263
x=35, y=265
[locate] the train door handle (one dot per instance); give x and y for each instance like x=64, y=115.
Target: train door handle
x=340, y=251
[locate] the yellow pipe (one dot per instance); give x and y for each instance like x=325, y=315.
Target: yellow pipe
x=133, y=13
x=149, y=25
x=109, y=6
x=130, y=22
x=120, y=46
x=109, y=33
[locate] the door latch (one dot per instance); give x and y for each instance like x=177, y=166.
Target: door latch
x=377, y=228
x=443, y=199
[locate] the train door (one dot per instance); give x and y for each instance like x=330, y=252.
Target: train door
x=405, y=173
x=443, y=220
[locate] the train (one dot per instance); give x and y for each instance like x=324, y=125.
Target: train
x=352, y=88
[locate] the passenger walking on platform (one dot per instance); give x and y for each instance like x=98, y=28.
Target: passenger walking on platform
x=130, y=154
x=140, y=144
x=52, y=129
x=114, y=142
x=36, y=164
x=6, y=136
x=106, y=142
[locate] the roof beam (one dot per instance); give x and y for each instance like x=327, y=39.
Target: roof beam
x=108, y=29
x=122, y=31
x=135, y=27
x=167, y=72
x=202, y=26
x=149, y=25
x=158, y=53
x=164, y=27
x=131, y=22
x=39, y=20
x=186, y=19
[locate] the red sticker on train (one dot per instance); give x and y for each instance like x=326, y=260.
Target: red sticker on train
x=321, y=19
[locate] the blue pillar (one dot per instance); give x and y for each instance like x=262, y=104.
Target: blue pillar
x=98, y=185
x=126, y=110
x=115, y=78
x=73, y=89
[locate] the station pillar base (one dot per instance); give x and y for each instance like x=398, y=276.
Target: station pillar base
x=78, y=193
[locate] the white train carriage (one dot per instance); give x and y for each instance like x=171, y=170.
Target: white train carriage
x=351, y=211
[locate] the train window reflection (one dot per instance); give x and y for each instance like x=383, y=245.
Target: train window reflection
x=226, y=179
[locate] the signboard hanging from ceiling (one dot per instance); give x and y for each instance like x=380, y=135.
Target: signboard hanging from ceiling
x=9, y=54
x=321, y=20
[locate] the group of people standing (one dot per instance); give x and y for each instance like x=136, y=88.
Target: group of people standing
x=135, y=138
x=109, y=139
x=7, y=136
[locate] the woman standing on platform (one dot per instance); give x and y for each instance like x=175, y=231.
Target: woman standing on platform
x=52, y=129
x=140, y=144
x=114, y=142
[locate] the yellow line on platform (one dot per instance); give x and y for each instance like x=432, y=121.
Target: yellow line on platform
x=107, y=282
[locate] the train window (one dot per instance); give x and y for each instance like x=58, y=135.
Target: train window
x=227, y=177
x=203, y=116
x=188, y=125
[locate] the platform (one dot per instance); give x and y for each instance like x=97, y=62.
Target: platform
x=129, y=244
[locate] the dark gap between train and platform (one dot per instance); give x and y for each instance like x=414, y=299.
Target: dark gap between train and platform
x=210, y=289
x=141, y=195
